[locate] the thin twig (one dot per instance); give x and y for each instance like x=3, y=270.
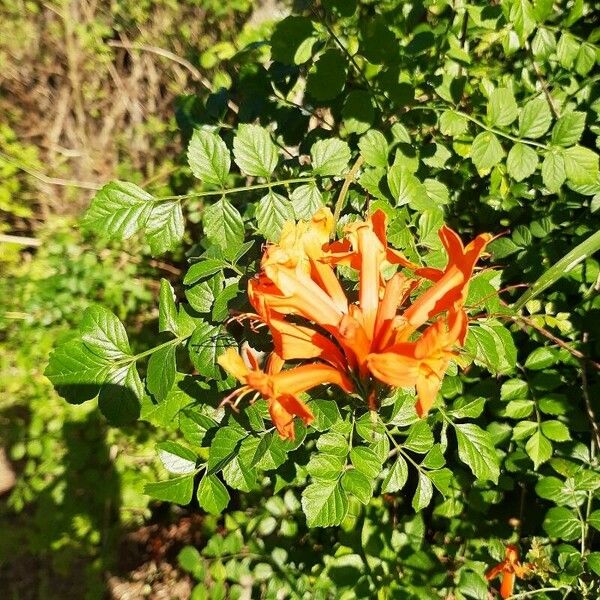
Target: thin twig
x=194, y=72
x=542, y=81
x=586, y=397
x=350, y=176
x=21, y=240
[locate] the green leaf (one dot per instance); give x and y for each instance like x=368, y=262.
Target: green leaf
x=292, y=40
x=486, y=151
x=437, y=192
x=521, y=162
x=420, y=437
x=513, y=389
x=404, y=186
x=165, y=227
x=540, y=358
x=522, y=18
x=553, y=170
x=193, y=425
x=104, y=334
x=272, y=211
x=453, y=123
x=201, y=296
x=223, y=226
x=396, y=479
x=224, y=447
x=593, y=562
x=254, y=151
x=473, y=585
x=568, y=129
x=333, y=443
x=476, y=450
x=492, y=346
x=586, y=58
x=121, y=395
x=551, y=488
x=562, y=523
x=208, y=157
x=306, y=201
x=327, y=77
x=323, y=466
x=566, y=264
x=325, y=504
x=76, y=372
x=535, y=118
x=178, y=490
x=119, y=210
x=524, y=429
x=567, y=49
x=594, y=519
x=207, y=343
x=326, y=413
x=161, y=372
x=539, y=449
x=518, y=409
x=203, y=269
x=358, y=484
x=556, y=431
x=581, y=165
x=423, y=493
x=374, y=148
x=239, y=476
x=543, y=43
x=365, y=461
x=190, y=560
x=212, y=495
x=358, y=111
x=176, y=458
x=167, y=311
x=470, y=409
x=330, y=157
x=501, y=108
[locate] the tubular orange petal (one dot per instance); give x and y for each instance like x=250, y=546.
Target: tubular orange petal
x=294, y=341
x=428, y=385
x=371, y=258
x=300, y=379
x=325, y=276
x=396, y=292
x=354, y=337
x=296, y=407
x=508, y=584
x=234, y=364
x=282, y=419
x=397, y=366
x=495, y=571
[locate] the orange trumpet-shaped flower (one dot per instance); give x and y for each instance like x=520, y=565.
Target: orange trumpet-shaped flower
x=299, y=297
x=281, y=388
x=509, y=569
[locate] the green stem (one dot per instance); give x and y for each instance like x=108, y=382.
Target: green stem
x=508, y=136
x=129, y=359
x=562, y=267
x=235, y=190
x=534, y=592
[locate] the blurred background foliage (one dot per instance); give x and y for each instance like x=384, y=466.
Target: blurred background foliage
x=92, y=91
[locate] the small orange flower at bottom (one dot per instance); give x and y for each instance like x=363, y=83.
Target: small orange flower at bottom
x=280, y=388
x=510, y=568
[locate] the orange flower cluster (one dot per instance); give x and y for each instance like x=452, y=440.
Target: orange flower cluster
x=509, y=569
x=360, y=346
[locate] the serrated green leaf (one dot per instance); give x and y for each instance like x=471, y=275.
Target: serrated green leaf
x=522, y=18
x=513, y=389
x=208, y=157
x=272, y=211
x=326, y=413
x=521, y=162
x=167, y=311
x=396, y=479
x=206, y=344
x=212, y=495
x=254, y=151
x=104, y=334
x=501, y=108
x=562, y=523
x=404, y=186
x=165, y=226
x=567, y=49
x=538, y=448
x=203, y=269
x=486, y=151
x=325, y=504
x=224, y=447
x=121, y=395
x=556, y=431
x=119, y=210
x=161, y=372
x=535, y=118
x=223, y=226
x=586, y=58
x=358, y=484
x=201, y=296
x=423, y=493
x=420, y=437
x=333, y=443
x=476, y=450
x=374, y=148
x=330, y=157
x=518, y=409
x=327, y=76
x=306, y=200
x=365, y=461
x=540, y=358
x=581, y=165
x=323, y=466
x=453, y=123
x=178, y=490
x=568, y=129
x=239, y=476
x=176, y=459
x=553, y=170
